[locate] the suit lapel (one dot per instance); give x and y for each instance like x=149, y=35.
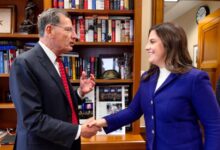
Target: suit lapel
x=153, y=83
x=170, y=78
x=46, y=63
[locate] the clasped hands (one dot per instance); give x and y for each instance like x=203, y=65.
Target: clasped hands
x=92, y=126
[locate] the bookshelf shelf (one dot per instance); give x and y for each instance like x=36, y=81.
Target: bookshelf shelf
x=101, y=12
x=7, y=106
x=18, y=35
x=103, y=81
x=4, y=75
x=104, y=43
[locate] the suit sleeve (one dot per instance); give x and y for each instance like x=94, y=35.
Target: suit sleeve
x=126, y=116
x=207, y=109
x=28, y=102
x=218, y=91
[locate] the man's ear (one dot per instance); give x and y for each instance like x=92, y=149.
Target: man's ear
x=49, y=30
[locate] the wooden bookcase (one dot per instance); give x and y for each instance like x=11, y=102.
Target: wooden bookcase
x=132, y=140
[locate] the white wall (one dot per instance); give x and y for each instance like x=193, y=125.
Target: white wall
x=146, y=24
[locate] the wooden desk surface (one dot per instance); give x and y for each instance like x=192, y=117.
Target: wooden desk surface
x=107, y=142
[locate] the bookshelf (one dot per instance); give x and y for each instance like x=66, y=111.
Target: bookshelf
x=133, y=139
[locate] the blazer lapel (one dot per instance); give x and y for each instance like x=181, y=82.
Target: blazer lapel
x=170, y=78
x=153, y=83
x=46, y=63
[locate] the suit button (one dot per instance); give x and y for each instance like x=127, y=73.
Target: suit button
x=152, y=117
x=151, y=102
x=152, y=131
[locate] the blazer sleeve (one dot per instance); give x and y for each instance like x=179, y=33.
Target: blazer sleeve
x=126, y=116
x=28, y=101
x=218, y=91
x=207, y=109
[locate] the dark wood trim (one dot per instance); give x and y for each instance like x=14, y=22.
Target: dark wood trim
x=157, y=11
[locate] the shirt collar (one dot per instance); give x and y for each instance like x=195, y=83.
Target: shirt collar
x=164, y=71
x=48, y=52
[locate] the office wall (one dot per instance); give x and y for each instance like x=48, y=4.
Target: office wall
x=188, y=22
x=146, y=24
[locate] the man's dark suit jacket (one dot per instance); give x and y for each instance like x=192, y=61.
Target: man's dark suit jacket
x=43, y=112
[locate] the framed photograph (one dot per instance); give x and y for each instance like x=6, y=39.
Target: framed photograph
x=195, y=55
x=7, y=18
x=110, y=66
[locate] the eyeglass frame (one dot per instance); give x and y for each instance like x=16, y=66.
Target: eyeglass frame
x=67, y=29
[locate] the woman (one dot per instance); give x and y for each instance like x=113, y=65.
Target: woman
x=173, y=96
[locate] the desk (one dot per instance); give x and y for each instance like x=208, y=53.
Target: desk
x=107, y=142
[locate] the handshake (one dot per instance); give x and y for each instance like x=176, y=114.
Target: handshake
x=92, y=126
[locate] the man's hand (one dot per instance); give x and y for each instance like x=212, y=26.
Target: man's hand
x=86, y=84
x=89, y=131
x=98, y=123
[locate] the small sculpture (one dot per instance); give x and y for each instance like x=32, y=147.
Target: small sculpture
x=29, y=25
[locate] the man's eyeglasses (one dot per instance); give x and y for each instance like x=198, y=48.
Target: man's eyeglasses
x=68, y=29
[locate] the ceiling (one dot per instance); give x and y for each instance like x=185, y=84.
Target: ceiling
x=173, y=10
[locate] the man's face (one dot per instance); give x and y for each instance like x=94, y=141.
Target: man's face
x=64, y=35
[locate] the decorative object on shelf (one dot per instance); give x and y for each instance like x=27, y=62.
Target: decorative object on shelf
x=202, y=12
x=29, y=24
x=110, y=74
x=110, y=66
x=7, y=18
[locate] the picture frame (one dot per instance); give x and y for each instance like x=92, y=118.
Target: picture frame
x=110, y=66
x=195, y=55
x=7, y=18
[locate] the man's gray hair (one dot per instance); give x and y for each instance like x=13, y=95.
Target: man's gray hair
x=50, y=16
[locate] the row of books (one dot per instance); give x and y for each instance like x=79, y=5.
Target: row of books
x=95, y=4
x=74, y=65
x=104, y=28
x=105, y=100
x=8, y=53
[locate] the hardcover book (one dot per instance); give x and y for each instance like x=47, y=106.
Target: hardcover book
x=110, y=99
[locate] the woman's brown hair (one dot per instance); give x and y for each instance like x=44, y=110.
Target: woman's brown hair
x=174, y=41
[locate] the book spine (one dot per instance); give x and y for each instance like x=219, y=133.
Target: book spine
x=113, y=30
x=117, y=30
x=106, y=4
x=122, y=5
x=60, y=3
x=94, y=4
x=81, y=4
x=1, y=61
x=131, y=34
x=103, y=30
x=73, y=3
x=77, y=4
x=109, y=30
x=85, y=4
x=95, y=30
x=82, y=29
x=90, y=4
x=55, y=3
x=99, y=29
x=66, y=4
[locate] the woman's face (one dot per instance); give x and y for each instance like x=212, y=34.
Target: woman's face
x=155, y=50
